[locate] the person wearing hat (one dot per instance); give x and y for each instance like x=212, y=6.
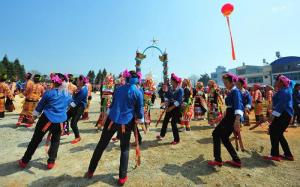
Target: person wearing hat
x=52, y=111
x=187, y=108
x=33, y=93
x=246, y=97
x=174, y=99
x=230, y=123
x=258, y=106
x=124, y=113
x=77, y=107
x=4, y=93
x=280, y=119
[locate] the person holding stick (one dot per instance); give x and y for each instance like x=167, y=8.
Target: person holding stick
x=125, y=112
x=174, y=99
x=230, y=123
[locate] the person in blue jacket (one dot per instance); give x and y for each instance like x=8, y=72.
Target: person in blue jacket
x=124, y=113
x=246, y=97
x=231, y=122
x=174, y=98
x=296, y=104
x=52, y=109
x=280, y=119
x=77, y=107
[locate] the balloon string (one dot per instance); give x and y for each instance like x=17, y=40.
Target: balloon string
x=232, y=46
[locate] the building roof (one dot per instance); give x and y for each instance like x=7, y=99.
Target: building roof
x=284, y=60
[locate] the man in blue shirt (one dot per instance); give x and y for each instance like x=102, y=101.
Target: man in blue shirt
x=125, y=111
x=53, y=110
x=174, y=99
x=77, y=106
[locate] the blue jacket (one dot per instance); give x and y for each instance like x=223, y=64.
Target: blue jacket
x=247, y=99
x=234, y=100
x=128, y=102
x=175, y=97
x=80, y=98
x=54, y=104
x=283, y=102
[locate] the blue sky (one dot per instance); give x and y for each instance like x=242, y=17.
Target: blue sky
x=78, y=35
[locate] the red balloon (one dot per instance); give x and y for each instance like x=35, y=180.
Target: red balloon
x=227, y=9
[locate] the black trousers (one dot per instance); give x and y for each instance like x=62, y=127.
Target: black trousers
x=221, y=134
x=2, y=114
x=175, y=114
x=37, y=137
x=296, y=115
x=133, y=130
x=75, y=113
x=276, y=130
x=104, y=141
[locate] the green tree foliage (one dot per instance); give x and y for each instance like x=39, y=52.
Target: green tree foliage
x=204, y=78
x=14, y=70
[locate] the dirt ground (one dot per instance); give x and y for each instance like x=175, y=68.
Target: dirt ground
x=162, y=164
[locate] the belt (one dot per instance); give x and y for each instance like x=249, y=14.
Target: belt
x=32, y=101
x=2, y=97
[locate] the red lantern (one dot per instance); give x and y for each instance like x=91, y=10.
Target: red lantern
x=226, y=10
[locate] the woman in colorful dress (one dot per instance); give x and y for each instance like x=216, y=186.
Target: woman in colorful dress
x=258, y=106
x=247, y=99
x=187, y=105
x=213, y=104
x=4, y=93
x=200, y=107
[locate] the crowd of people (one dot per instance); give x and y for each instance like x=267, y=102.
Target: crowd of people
x=126, y=102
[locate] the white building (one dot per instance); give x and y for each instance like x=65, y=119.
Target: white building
x=217, y=76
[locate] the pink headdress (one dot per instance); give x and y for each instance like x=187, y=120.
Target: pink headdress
x=175, y=78
x=243, y=81
x=233, y=77
x=126, y=74
x=56, y=79
x=286, y=81
x=139, y=74
x=256, y=86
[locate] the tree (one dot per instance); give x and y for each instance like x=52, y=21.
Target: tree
x=98, y=77
x=14, y=70
x=204, y=78
x=104, y=73
x=91, y=76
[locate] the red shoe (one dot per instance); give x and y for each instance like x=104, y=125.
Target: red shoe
x=50, y=165
x=289, y=158
x=234, y=163
x=75, y=141
x=28, y=125
x=175, y=143
x=89, y=174
x=22, y=164
x=18, y=124
x=215, y=163
x=115, y=139
x=121, y=182
x=275, y=158
x=158, y=137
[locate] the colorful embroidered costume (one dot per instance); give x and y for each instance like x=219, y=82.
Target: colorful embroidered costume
x=200, y=107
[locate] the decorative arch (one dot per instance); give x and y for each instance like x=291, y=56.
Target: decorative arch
x=163, y=58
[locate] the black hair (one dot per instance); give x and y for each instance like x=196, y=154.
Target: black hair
x=28, y=75
x=37, y=78
x=133, y=74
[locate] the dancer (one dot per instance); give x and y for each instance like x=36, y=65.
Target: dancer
x=200, y=107
x=85, y=115
x=230, y=123
x=71, y=87
x=149, y=89
x=4, y=93
x=174, y=101
x=77, y=107
x=33, y=93
x=187, y=105
x=269, y=96
x=258, y=106
x=213, y=101
x=247, y=99
x=129, y=100
x=52, y=111
x=280, y=119
x=106, y=98
x=296, y=105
